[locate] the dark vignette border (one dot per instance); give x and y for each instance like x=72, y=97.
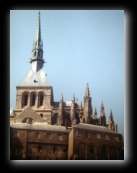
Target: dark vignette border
x=5, y=72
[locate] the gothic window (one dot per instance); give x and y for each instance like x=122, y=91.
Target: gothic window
x=77, y=133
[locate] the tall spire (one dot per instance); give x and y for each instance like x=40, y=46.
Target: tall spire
x=87, y=93
x=110, y=119
x=38, y=31
x=37, y=51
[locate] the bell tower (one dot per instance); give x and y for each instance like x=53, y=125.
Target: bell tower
x=34, y=90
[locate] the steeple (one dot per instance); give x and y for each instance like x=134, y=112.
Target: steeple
x=102, y=110
x=110, y=119
x=111, y=124
x=37, y=51
x=95, y=112
x=87, y=93
x=102, y=115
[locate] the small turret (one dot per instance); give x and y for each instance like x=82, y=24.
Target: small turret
x=102, y=109
x=111, y=124
x=95, y=112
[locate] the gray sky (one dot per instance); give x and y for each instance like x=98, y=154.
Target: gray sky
x=80, y=47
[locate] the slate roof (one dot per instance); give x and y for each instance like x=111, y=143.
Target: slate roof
x=33, y=78
x=40, y=126
x=94, y=128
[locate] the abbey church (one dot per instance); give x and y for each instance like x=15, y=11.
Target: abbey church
x=44, y=129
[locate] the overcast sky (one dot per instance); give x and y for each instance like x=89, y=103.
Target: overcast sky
x=80, y=47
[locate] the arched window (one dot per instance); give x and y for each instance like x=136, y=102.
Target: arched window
x=25, y=96
x=28, y=120
x=32, y=99
x=25, y=100
x=40, y=98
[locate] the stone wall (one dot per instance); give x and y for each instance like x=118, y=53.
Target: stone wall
x=43, y=145
x=98, y=145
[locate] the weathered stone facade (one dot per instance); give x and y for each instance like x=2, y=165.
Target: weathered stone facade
x=93, y=143
x=81, y=142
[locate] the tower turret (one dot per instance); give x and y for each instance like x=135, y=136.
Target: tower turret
x=102, y=109
x=95, y=112
x=111, y=124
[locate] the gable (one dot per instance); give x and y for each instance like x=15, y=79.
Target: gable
x=28, y=113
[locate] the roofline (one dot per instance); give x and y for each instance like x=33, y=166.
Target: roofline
x=28, y=87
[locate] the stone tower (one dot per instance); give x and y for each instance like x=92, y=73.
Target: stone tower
x=34, y=91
